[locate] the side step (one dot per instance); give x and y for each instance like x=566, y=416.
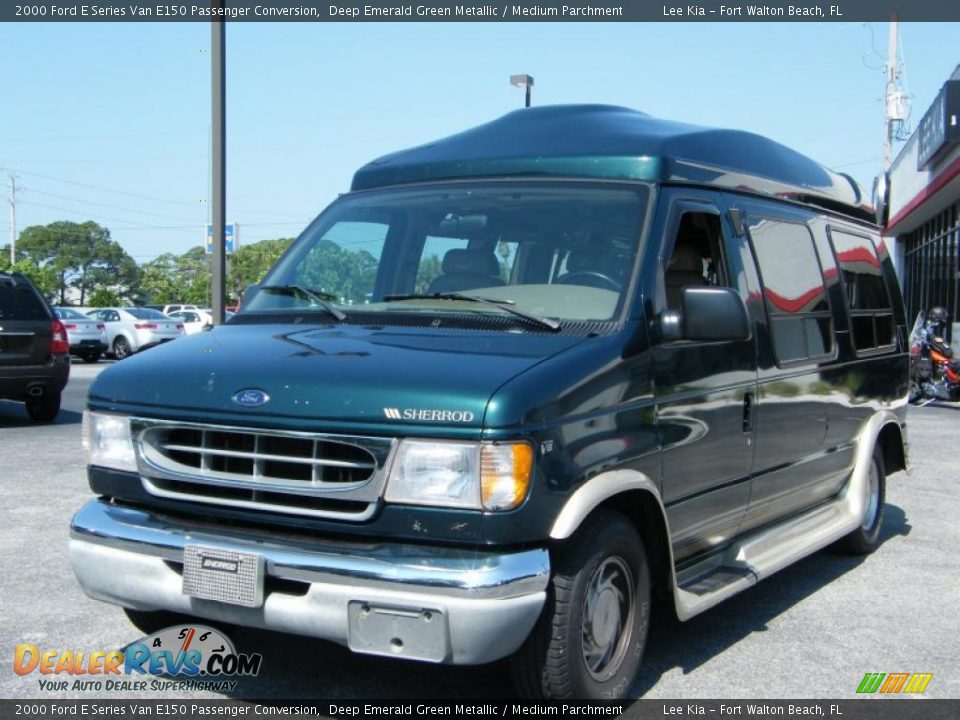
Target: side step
x=761, y=554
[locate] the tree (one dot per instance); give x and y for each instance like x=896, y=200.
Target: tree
x=159, y=279
x=81, y=255
x=193, y=273
x=43, y=277
x=170, y=278
x=250, y=263
x=104, y=298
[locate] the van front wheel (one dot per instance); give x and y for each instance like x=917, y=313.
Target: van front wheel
x=589, y=640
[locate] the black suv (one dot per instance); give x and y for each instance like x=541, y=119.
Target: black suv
x=34, y=350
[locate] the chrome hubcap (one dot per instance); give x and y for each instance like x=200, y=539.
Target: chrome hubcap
x=873, y=498
x=607, y=623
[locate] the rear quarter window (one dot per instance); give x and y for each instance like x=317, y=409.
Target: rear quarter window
x=865, y=290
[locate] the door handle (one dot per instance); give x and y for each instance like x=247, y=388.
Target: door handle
x=748, y=413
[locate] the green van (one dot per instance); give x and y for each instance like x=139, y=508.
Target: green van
x=509, y=391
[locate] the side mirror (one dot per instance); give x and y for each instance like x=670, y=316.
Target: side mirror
x=707, y=314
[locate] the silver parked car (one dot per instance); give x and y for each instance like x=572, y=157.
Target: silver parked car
x=131, y=329
x=87, y=337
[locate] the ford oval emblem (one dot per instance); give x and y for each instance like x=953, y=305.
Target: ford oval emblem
x=251, y=397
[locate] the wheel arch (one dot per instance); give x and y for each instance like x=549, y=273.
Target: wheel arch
x=635, y=496
x=892, y=445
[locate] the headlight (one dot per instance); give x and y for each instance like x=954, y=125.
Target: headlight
x=108, y=441
x=465, y=475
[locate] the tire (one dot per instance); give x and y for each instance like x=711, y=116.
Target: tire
x=589, y=640
x=45, y=408
x=121, y=348
x=91, y=358
x=866, y=538
x=149, y=622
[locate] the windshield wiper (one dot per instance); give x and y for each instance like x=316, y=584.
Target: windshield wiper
x=320, y=298
x=506, y=305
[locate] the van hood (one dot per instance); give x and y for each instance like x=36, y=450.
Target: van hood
x=342, y=373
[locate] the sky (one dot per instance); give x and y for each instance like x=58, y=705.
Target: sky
x=111, y=122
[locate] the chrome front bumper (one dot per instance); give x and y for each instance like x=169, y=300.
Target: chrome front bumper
x=371, y=598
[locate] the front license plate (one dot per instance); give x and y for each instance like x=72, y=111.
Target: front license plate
x=223, y=575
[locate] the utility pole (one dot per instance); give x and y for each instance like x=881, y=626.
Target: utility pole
x=218, y=215
x=13, y=219
x=892, y=99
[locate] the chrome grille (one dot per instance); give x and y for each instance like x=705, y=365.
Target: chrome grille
x=282, y=471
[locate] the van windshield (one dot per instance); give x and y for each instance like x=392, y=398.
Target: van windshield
x=562, y=250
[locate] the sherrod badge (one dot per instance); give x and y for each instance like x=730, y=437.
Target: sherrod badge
x=250, y=397
x=423, y=414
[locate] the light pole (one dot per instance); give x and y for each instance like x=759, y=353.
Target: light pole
x=524, y=81
x=218, y=161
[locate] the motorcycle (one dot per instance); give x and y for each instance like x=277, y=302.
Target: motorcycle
x=934, y=374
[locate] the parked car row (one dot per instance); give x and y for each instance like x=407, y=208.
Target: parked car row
x=36, y=340
x=122, y=331
x=131, y=329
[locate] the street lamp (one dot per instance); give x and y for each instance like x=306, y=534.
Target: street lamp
x=524, y=81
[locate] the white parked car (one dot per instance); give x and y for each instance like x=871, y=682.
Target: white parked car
x=204, y=313
x=194, y=321
x=131, y=329
x=87, y=337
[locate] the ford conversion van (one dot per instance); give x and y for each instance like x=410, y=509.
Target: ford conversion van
x=512, y=388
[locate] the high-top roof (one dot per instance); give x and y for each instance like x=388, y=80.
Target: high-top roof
x=604, y=141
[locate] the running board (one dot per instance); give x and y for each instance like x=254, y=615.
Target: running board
x=759, y=555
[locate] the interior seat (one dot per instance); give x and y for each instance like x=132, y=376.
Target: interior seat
x=467, y=269
x=685, y=270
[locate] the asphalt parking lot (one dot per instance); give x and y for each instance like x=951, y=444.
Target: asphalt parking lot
x=811, y=631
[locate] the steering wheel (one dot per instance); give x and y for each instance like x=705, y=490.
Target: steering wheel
x=590, y=279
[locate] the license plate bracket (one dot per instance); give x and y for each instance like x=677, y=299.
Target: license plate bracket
x=226, y=576
x=410, y=632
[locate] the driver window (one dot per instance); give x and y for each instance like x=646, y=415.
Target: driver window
x=696, y=259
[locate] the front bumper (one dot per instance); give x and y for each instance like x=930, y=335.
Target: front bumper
x=374, y=599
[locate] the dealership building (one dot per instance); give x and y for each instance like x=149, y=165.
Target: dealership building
x=924, y=208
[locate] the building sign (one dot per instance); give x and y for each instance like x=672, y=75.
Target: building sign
x=231, y=236
x=939, y=129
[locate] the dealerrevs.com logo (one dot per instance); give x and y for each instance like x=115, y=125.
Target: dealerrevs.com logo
x=181, y=657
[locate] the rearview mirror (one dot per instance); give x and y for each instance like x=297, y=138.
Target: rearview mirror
x=707, y=314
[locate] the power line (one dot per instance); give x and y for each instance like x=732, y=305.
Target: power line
x=858, y=162
x=109, y=190
x=199, y=225
x=142, y=196
x=112, y=207
x=202, y=225
x=81, y=213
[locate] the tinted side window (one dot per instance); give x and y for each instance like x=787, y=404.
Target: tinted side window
x=696, y=259
x=793, y=290
x=868, y=302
